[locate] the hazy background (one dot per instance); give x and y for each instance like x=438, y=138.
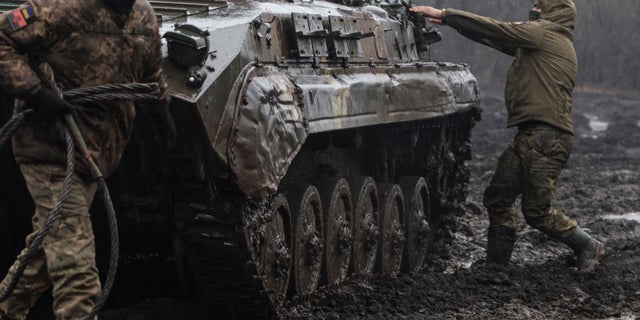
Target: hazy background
x=606, y=38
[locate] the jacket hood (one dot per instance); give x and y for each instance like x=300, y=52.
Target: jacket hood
x=562, y=12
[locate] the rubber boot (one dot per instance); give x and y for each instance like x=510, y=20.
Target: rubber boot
x=588, y=250
x=500, y=241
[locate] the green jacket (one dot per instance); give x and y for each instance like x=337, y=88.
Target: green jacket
x=542, y=76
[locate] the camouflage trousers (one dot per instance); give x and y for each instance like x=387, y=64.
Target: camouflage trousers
x=530, y=166
x=66, y=259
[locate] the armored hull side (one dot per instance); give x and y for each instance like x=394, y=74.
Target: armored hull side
x=331, y=138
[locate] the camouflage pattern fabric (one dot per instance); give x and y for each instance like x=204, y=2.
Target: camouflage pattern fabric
x=85, y=43
x=66, y=260
x=530, y=166
x=76, y=43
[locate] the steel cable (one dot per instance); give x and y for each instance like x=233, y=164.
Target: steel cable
x=53, y=215
x=110, y=92
x=110, y=88
x=12, y=126
x=115, y=250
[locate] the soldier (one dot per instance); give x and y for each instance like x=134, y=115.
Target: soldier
x=79, y=43
x=538, y=95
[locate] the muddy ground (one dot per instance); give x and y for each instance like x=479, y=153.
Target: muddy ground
x=600, y=188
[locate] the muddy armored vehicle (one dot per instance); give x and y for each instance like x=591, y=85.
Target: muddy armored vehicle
x=316, y=141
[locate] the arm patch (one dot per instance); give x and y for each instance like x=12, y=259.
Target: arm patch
x=20, y=18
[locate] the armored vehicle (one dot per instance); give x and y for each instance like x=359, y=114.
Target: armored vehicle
x=316, y=141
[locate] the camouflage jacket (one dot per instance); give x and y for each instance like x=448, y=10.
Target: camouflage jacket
x=81, y=43
x=542, y=76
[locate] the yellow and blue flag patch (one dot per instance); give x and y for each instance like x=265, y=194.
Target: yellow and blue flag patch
x=20, y=18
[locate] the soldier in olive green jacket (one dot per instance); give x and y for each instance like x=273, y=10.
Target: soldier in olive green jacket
x=79, y=43
x=538, y=95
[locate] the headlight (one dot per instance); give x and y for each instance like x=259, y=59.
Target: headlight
x=187, y=45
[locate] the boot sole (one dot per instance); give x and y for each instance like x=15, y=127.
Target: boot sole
x=600, y=251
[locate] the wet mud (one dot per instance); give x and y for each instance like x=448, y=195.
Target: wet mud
x=600, y=188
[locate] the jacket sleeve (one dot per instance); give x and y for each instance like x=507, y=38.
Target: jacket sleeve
x=17, y=41
x=153, y=73
x=503, y=36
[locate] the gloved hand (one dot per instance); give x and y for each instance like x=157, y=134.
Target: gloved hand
x=165, y=129
x=45, y=102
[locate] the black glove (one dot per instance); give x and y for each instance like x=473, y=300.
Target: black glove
x=165, y=129
x=45, y=102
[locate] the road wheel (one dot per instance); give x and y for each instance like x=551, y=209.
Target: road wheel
x=306, y=209
x=338, y=214
x=391, y=244
x=365, y=224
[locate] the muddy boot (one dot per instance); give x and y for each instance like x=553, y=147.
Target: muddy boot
x=500, y=241
x=588, y=250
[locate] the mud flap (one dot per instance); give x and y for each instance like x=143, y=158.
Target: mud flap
x=268, y=131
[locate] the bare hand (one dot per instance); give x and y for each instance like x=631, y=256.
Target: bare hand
x=434, y=15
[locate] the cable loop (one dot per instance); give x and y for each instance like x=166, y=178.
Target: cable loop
x=137, y=92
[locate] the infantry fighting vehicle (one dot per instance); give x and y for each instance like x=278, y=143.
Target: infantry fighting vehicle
x=316, y=141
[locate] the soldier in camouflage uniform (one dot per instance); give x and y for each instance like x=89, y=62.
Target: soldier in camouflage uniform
x=538, y=95
x=79, y=43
